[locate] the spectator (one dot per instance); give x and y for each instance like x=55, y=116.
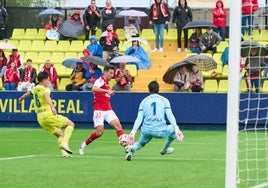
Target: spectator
x=182, y=15
x=52, y=73
x=3, y=22
x=15, y=57
x=137, y=51
x=254, y=65
x=265, y=72
x=131, y=27
x=11, y=77
x=78, y=78
x=194, y=41
x=196, y=79
x=209, y=41
x=108, y=15
x=54, y=23
x=115, y=53
x=76, y=18
x=91, y=19
x=92, y=74
x=108, y=41
x=123, y=78
x=248, y=9
x=219, y=14
x=181, y=80
x=27, y=77
x=94, y=47
x=3, y=63
x=159, y=17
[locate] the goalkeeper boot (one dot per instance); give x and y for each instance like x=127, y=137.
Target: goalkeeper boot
x=82, y=148
x=129, y=156
x=167, y=151
x=65, y=147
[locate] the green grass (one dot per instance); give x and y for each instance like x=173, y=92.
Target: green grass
x=198, y=162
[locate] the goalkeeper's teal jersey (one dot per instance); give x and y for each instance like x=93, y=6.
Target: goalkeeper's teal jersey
x=153, y=111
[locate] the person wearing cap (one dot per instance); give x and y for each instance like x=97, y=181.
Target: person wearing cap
x=15, y=57
x=108, y=15
x=94, y=47
x=52, y=73
x=115, y=53
x=209, y=41
x=27, y=77
x=91, y=19
x=78, y=78
x=108, y=41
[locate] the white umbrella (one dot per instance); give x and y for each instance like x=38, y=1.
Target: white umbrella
x=50, y=11
x=134, y=13
x=7, y=46
x=125, y=59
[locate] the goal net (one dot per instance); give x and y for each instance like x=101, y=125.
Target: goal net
x=249, y=150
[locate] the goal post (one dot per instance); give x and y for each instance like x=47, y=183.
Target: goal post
x=233, y=94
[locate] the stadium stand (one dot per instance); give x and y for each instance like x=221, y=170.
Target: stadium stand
x=210, y=86
x=223, y=86
x=30, y=34
x=18, y=34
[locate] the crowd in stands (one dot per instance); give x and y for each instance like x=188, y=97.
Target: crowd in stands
x=19, y=76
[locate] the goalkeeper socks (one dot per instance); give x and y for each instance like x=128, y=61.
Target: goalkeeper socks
x=92, y=137
x=67, y=134
x=168, y=142
x=119, y=132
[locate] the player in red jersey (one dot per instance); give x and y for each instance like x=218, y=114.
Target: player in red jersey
x=102, y=108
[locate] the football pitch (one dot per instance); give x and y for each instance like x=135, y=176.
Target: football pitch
x=29, y=157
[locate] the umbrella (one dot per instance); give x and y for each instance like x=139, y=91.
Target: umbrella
x=7, y=46
x=246, y=46
x=71, y=63
x=202, y=24
x=204, y=62
x=71, y=28
x=96, y=60
x=125, y=59
x=50, y=11
x=172, y=70
x=134, y=13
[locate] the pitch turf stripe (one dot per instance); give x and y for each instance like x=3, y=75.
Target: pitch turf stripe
x=142, y=158
x=18, y=157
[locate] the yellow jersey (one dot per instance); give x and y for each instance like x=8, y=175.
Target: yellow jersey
x=40, y=104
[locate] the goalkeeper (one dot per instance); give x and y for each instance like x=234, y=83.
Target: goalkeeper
x=151, y=118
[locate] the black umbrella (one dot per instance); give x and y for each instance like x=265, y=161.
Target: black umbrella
x=96, y=60
x=71, y=28
x=247, y=45
x=173, y=69
x=205, y=63
x=202, y=24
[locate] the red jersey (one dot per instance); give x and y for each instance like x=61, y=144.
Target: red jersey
x=102, y=100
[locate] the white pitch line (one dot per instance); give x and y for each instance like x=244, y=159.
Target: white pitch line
x=18, y=157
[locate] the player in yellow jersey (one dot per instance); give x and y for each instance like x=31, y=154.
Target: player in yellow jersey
x=47, y=116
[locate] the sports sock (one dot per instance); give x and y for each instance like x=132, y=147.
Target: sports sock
x=168, y=142
x=119, y=132
x=67, y=134
x=60, y=140
x=91, y=138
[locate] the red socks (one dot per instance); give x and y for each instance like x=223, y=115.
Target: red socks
x=119, y=132
x=92, y=137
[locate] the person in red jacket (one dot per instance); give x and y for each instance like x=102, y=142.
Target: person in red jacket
x=52, y=73
x=219, y=19
x=248, y=9
x=11, y=77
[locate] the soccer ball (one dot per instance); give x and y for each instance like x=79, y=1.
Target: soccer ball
x=123, y=140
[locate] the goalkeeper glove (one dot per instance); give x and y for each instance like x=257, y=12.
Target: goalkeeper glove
x=178, y=133
x=131, y=137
